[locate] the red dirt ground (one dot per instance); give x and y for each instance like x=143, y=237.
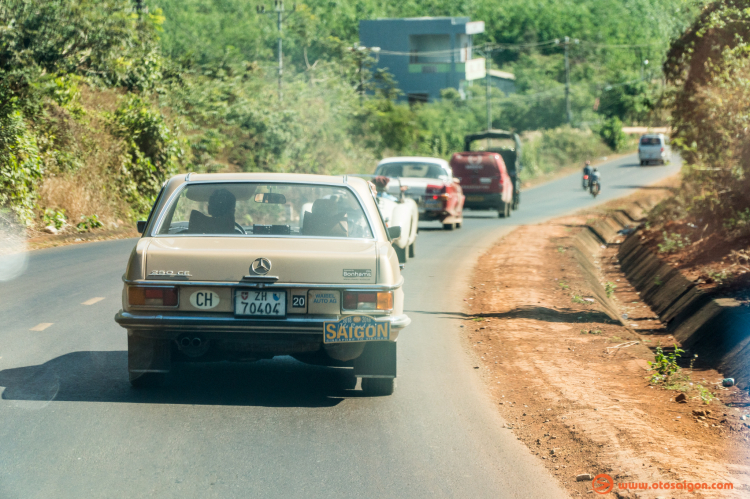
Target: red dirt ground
x=575, y=391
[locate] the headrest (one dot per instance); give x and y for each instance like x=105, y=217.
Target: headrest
x=321, y=206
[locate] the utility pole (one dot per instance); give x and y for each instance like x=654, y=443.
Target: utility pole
x=568, y=111
x=279, y=10
x=488, y=89
x=567, y=82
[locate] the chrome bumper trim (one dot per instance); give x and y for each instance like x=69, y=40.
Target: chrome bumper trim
x=277, y=285
x=308, y=325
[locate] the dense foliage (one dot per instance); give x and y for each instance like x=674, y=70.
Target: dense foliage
x=710, y=65
x=103, y=99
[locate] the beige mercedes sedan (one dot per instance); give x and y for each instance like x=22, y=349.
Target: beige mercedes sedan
x=248, y=266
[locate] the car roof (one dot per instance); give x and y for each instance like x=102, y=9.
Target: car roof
x=359, y=184
x=266, y=177
x=421, y=159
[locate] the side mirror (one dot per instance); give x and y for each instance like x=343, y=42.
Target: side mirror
x=141, y=226
x=394, y=232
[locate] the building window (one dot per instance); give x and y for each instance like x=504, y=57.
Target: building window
x=430, y=49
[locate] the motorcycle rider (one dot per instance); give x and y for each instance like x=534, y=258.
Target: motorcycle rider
x=595, y=176
x=586, y=173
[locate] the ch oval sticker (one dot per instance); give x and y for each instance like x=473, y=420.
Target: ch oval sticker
x=204, y=299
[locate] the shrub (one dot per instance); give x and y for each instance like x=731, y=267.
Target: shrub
x=153, y=151
x=20, y=166
x=612, y=134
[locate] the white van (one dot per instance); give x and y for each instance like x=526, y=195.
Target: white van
x=654, y=147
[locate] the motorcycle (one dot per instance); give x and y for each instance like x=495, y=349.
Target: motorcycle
x=594, y=187
x=585, y=182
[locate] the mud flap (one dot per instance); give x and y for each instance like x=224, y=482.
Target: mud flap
x=148, y=356
x=377, y=361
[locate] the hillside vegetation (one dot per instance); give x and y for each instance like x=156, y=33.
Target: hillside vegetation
x=710, y=68
x=101, y=100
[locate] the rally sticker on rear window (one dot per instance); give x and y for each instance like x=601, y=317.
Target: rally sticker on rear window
x=356, y=328
x=357, y=273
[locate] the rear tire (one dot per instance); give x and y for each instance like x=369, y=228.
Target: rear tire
x=459, y=225
x=147, y=380
x=378, y=387
x=402, y=254
x=449, y=226
x=504, y=211
x=412, y=249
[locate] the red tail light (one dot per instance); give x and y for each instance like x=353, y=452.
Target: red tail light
x=354, y=300
x=152, y=297
x=586, y=177
x=662, y=149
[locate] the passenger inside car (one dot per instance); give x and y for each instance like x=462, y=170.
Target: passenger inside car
x=325, y=219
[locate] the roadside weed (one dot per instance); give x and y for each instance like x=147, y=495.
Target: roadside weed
x=54, y=218
x=672, y=242
x=561, y=249
x=478, y=319
x=609, y=288
x=705, y=395
x=719, y=277
x=88, y=223
x=665, y=365
x=579, y=300
x=657, y=281
x=671, y=377
x=564, y=285
x=591, y=331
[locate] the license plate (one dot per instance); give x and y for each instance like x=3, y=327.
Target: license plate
x=356, y=328
x=432, y=204
x=260, y=303
x=475, y=198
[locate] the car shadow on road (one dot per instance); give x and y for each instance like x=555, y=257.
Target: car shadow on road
x=538, y=313
x=551, y=315
x=97, y=376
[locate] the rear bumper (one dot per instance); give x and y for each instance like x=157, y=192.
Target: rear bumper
x=171, y=326
x=652, y=156
x=483, y=201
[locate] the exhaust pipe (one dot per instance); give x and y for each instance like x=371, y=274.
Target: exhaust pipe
x=193, y=346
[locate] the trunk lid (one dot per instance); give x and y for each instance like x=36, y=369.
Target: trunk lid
x=293, y=260
x=479, y=172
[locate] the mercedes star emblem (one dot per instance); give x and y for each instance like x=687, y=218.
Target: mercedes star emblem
x=261, y=266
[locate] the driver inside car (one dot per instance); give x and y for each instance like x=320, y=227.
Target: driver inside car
x=221, y=207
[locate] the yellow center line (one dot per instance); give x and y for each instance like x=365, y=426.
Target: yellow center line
x=41, y=327
x=93, y=300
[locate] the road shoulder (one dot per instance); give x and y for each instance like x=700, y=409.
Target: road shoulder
x=572, y=382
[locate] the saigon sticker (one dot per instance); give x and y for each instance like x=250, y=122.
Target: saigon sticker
x=356, y=328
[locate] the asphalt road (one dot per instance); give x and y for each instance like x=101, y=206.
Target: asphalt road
x=71, y=426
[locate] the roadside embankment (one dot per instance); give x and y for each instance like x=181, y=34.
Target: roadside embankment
x=562, y=341
x=717, y=329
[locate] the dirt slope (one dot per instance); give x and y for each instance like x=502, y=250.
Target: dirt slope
x=585, y=405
